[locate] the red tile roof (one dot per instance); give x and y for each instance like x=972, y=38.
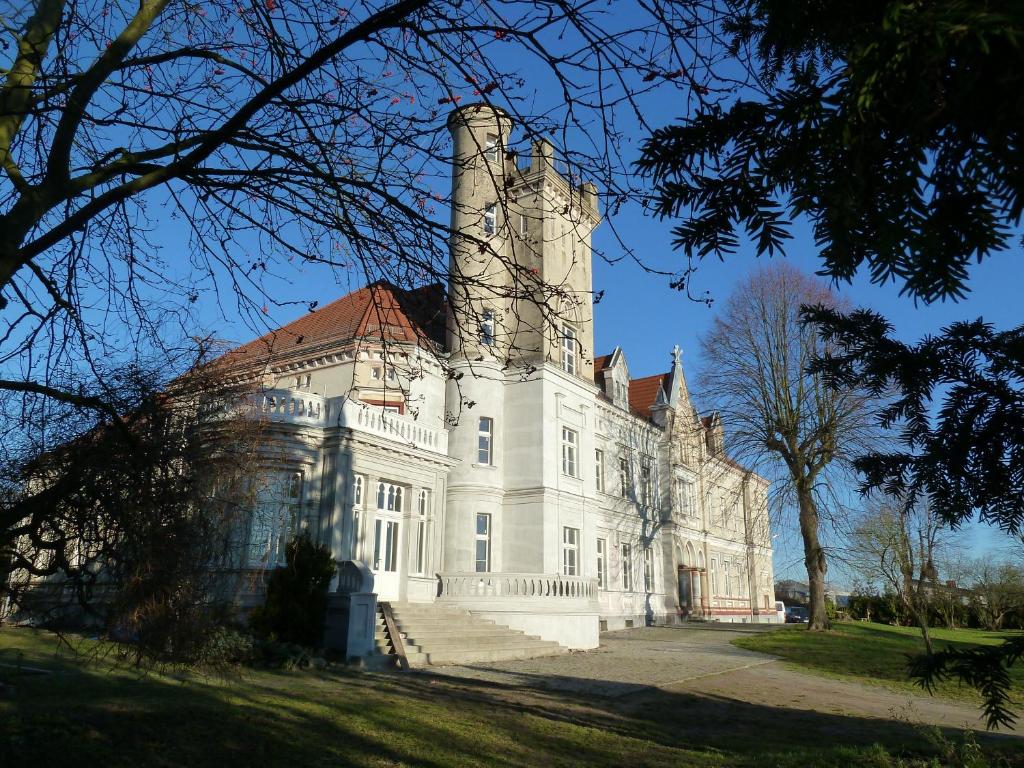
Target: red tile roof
x=377, y=312
x=644, y=392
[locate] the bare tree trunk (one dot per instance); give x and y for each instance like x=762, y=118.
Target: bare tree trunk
x=814, y=559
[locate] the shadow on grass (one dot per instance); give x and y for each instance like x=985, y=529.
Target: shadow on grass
x=92, y=716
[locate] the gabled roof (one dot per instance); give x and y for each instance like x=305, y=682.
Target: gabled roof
x=643, y=393
x=379, y=312
x=600, y=363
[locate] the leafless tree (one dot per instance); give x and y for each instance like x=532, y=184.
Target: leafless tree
x=998, y=591
x=274, y=134
x=128, y=522
x=781, y=420
x=901, y=546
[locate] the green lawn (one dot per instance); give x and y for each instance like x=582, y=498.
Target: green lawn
x=871, y=653
x=89, y=714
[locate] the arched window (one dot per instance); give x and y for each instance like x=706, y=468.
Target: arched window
x=357, y=491
x=389, y=497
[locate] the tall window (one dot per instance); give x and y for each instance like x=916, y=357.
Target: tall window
x=422, y=502
x=491, y=149
x=569, y=345
x=389, y=497
x=524, y=225
x=626, y=560
x=714, y=576
x=602, y=563
x=357, y=491
x=485, y=440
x=684, y=490
x=275, y=519
x=625, y=481
x=483, y=543
x=648, y=570
x=385, y=545
x=645, y=483
x=599, y=470
x=487, y=328
x=569, y=443
x=727, y=569
x=490, y=219
x=570, y=551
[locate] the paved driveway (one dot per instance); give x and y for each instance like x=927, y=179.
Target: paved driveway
x=700, y=661
x=627, y=661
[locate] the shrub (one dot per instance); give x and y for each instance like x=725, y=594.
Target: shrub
x=296, y=601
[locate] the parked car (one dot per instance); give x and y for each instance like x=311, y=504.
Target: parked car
x=780, y=611
x=796, y=614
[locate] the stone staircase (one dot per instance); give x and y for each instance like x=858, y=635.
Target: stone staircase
x=434, y=634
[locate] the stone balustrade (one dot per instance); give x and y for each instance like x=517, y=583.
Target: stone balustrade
x=393, y=426
x=293, y=406
x=306, y=408
x=516, y=586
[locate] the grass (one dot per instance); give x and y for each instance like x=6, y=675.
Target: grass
x=89, y=713
x=872, y=653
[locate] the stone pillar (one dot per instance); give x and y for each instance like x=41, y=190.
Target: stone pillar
x=705, y=604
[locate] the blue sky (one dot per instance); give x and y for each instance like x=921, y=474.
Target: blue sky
x=639, y=312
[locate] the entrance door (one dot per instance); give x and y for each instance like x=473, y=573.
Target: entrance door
x=685, y=601
x=385, y=563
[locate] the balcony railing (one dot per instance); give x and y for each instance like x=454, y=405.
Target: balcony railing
x=296, y=407
x=372, y=419
x=292, y=406
x=516, y=586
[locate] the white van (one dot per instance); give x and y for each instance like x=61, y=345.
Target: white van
x=780, y=611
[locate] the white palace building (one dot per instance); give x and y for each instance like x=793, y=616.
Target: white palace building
x=470, y=451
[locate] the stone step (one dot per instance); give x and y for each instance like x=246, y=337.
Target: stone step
x=471, y=656
x=468, y=630
x=486, y=641
x=433, y=634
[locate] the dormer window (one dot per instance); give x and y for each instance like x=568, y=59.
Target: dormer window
x=491, y=149
x=491, y=219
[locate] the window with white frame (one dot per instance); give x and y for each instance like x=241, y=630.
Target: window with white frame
x=570, y=441
x=490, y=219
x=626, y=562
x=570, y=551
x=385, y=545
x=422, y=505
x=569, y=349
x=491, y=149
x=714, y=576
x=275, y=519
x=487, y=328
x=389, y=497
x=524, y=225
x=648, y=569
x=625, y=478
x=645, y=483
x=483, y=543
x=727, y=573
x=485, y=440
x=357, y=491
x=602, y=563
x=599, y=469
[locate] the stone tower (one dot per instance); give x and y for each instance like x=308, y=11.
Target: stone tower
x=520, y=295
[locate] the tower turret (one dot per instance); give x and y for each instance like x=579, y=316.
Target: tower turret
x=480, y=251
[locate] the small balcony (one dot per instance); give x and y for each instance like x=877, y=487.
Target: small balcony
x=290, y=406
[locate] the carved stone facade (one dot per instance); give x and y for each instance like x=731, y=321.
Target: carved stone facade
x=471, y=449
